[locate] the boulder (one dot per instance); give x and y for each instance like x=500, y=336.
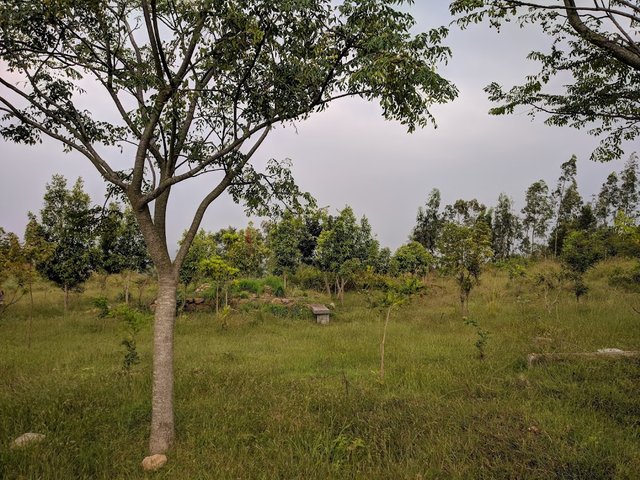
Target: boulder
x=154, y=462
x=27, y=439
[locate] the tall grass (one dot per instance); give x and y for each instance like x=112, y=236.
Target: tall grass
x=275, y=396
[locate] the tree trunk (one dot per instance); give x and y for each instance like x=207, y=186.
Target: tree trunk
x=30, y=325
x=162, y=421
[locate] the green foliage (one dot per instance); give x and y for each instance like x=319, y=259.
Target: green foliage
x=465, y=248
x=428, y=222
x=308, y=277
x=67, y=227
x=505, y=228
x=275, y=284
x=483, y=337
x=248, y=285
x=595, y=45
x=102, y=304
x=412, y=259
x=133, y=321
x=537, y=211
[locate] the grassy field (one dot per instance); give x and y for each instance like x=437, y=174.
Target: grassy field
x=275, y=396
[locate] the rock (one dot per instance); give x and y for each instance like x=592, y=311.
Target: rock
x=613, y=351
x=27, y=439
x=154, y=462
x=533, y=429
x=332, y=306
x=198, y=300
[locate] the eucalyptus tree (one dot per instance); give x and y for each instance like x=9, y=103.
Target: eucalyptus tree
x=428, y=222
x=595, y=43
x=629, y=194
x=505, y=228
x=537, y=211
x=608, y=200
x=567, y=202
x=194, y=88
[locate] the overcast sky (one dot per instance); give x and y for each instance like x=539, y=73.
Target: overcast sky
x=349, y=155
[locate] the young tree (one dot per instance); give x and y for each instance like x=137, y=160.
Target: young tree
x=428, y=222
x=596, y=43
x=412, y=259
x=196, y=87
x=537, y=211
x=343, y=242
x=465, y=246
x=283, y=237
x=505, y=228
x=221, y=273
x=14, y=267
x=67, y=225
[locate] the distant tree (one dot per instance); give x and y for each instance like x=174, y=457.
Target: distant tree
x=284, y=236
x=608, y=200
x=505, y=228
x=567, y=203
x=580, y=252
x=428, y=222
x=465, y=247
x=204, y=245
x=220, y=272
x=344, y=241
x=246, y=250
x=67, y=223
x=595, y=47
x=121, y=244
x=537, y=211
x=629, y=195
x=13, y=267
x=412, y=259
x=382, y=263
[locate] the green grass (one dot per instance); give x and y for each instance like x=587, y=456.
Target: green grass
x=274, y=396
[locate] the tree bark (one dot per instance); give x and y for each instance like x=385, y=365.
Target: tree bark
x=162, y=419
x=384, y=338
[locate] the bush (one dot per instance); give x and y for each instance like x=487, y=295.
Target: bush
x=308, y=278
x=276, y=284
x=250, y=285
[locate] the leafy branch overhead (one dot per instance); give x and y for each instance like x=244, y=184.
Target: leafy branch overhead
x=596, y=44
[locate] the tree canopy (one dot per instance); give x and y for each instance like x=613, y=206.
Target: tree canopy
x=596, y=44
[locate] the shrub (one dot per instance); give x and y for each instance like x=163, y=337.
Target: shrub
x=308, y=278
x=276, y=284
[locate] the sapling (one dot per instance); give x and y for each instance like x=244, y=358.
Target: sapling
x=394, y=296
x=483, y=336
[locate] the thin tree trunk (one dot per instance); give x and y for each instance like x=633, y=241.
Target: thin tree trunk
x=384, y=338
x=226, y=295
x=30, y=325
x=217, y=298
x=162, y=420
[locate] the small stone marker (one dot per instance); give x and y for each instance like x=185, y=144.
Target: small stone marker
x=321, y=312
x=154, y=462
x=27, y=439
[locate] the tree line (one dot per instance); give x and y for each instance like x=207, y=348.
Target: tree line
x=70, y=239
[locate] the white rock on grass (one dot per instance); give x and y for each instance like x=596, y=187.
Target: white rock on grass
x=27, y=439
x=154, y=462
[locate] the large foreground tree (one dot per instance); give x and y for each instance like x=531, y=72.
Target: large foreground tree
x=596, y=43
x=182, y=89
